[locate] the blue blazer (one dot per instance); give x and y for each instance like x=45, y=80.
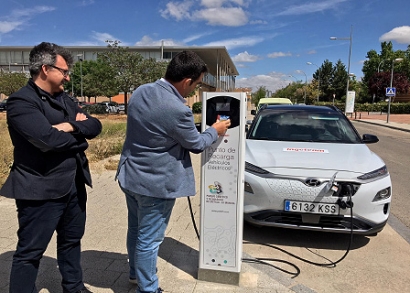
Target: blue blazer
x=161, y=133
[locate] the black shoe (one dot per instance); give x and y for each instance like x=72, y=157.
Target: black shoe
x=84, y=290
x=159, y=290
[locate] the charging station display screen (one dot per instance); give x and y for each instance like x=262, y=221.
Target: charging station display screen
x=223, y=107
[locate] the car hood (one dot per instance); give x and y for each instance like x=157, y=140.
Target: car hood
x=282, y=157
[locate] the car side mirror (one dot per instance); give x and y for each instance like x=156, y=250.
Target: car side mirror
x=370, y=138
x=253, y=112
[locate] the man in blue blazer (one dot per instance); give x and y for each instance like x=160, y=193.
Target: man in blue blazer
x=49, y=133
x=155, y=165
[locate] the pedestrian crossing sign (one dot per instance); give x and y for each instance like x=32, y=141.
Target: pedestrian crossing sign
x=390, y=92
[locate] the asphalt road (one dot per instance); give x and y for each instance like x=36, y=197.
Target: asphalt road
x=393, y=148
x=373, y=264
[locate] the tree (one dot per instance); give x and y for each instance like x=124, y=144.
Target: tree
x=380, y=81
x=130, y=69
x=100, y=81
x=339, y=80
x=74, y=84
x=11, y=82
x=326, y=81
x=259, y=94
x=377, y=71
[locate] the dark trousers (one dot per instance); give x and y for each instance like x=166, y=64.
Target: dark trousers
x=38, y=219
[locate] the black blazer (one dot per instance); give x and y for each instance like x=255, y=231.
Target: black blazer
x=46, y=160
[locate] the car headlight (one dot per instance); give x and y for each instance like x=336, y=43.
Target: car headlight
x=248, y=187
x=374, y=174
x=383, y=194
x=255, y=170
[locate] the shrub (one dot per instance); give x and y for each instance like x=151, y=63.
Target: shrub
x=95, y=109
x=197, y=108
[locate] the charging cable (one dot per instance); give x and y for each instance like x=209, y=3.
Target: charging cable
x=261, y=260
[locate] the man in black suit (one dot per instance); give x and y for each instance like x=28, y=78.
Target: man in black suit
x=49, y=133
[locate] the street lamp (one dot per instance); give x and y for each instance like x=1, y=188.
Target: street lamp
x=290, y=75
x=81, y=72
x=318, y=84
x=391, y=84
x=350, y=54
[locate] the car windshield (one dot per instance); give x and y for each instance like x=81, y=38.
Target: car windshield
x=303, y=125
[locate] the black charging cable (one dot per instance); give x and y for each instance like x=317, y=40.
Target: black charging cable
x=262, y=260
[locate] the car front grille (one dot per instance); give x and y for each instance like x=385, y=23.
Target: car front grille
x=295, y=220
x=299, y=190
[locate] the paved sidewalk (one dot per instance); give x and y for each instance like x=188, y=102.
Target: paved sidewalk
x=396, y=121
x=104, y=256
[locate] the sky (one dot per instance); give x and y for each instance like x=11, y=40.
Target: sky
x=270, y=41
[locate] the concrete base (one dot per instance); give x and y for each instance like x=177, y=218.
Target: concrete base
x=222, y=277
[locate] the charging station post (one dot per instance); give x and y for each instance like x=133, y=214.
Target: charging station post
x=222, y=191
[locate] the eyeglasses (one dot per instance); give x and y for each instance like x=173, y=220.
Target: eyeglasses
x=64, y=72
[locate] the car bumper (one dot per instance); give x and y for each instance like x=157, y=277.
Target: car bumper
x=264, y=206
x=335, y=224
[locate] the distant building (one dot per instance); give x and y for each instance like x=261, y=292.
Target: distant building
x=221, y=76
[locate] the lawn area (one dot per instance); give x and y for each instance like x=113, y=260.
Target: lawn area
x=99, y=152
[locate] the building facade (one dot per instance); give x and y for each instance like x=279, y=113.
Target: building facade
x=221, y=69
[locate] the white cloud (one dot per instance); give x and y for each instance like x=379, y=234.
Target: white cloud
x=30, y=12
x=8, y=26
x=219, y=3
x=258, y=22
x=222, y=16
x=272, y=82
x=87, y=2
x=21, y=17
x=196, y=37
x=245, y=57
x=239, y=42
x=148, y=41
x=399, y=34
x=179, y=11
x=279, y=54
x=102, y=36
x=213, y=12
x=311, y=7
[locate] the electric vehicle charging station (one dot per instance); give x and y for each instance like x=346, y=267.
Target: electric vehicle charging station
x=222, y=191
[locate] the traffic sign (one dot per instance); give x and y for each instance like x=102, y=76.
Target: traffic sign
x=390, y=92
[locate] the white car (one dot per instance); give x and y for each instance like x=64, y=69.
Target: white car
x=110, y=107
x=308, y=168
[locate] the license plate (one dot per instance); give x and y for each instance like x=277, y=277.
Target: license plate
x=311, y=207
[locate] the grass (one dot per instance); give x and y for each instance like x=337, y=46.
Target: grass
x=6, y=155
x=101, y=150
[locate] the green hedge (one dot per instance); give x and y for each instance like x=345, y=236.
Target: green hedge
x=95, y=109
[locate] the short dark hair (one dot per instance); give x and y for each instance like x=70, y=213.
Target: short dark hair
x=46, y=54
x=186, y=64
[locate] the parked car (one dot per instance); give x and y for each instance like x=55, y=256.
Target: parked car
x=121, y=108
x=3, y=105
x=308, y=168
x=111, y=107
